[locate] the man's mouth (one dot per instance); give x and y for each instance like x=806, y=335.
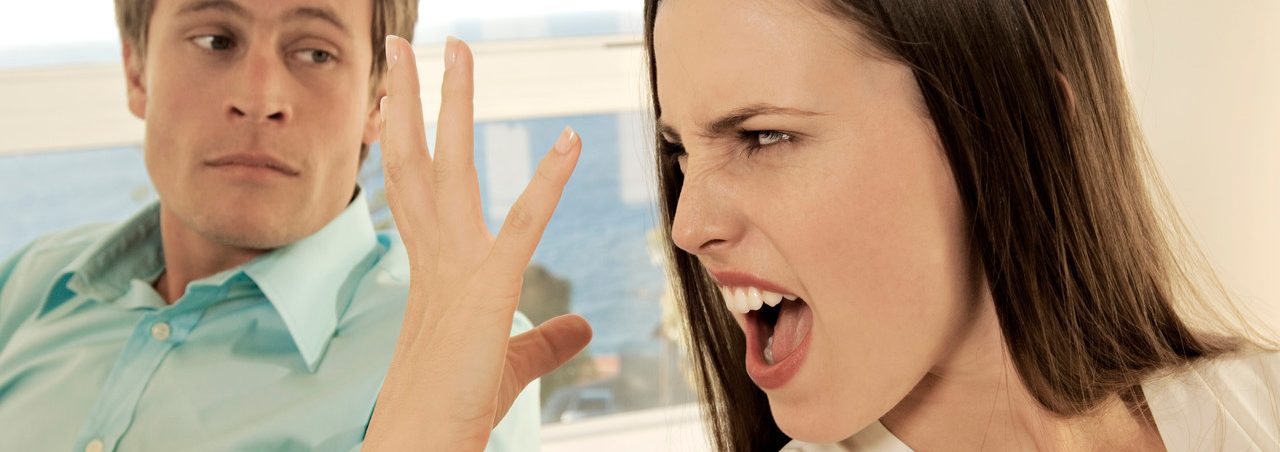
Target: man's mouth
x=253, y=160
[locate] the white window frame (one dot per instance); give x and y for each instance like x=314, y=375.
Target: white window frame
x=84, y=106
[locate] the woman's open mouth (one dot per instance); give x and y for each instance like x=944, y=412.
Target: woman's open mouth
x=777, y=329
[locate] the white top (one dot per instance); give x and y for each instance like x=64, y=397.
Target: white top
x=1231, y=403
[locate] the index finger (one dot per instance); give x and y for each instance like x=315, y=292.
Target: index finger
x=406, y=163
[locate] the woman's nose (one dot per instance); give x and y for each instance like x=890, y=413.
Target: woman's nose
x=704, y=222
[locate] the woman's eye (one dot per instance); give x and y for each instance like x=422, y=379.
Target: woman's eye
x=214, y=42
x=314, y=56
x=770, y=137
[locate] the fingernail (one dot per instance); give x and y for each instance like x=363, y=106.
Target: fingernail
x=382, y=109
x=450, y=52
x=565, y=143
x=393, y=54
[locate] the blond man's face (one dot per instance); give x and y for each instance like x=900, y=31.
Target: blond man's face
x=255, y=113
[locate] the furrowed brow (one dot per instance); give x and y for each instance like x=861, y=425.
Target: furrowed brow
x=733, y=119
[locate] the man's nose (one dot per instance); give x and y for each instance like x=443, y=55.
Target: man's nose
x=258, y=94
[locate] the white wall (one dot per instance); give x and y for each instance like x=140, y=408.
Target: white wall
x=1205, y=77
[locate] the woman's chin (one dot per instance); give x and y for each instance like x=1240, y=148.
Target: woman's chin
x=814, y=423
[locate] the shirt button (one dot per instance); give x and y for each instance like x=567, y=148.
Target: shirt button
x=160, y=331
x=94, y=446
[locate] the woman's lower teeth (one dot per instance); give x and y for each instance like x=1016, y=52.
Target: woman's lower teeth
x=768, y=351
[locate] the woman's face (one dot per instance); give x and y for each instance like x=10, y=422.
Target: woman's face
x=812, y=169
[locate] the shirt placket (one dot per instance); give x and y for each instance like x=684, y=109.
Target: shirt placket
x=153, y=337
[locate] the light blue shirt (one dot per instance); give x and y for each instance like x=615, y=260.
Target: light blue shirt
x=284, y=353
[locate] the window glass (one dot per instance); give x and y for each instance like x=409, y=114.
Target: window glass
x=598, y=256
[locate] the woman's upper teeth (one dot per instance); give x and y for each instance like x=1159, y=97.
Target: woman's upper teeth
x=746, y=299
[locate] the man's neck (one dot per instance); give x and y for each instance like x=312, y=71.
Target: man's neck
x=189, y=256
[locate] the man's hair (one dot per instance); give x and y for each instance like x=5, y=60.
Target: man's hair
x=394, y=17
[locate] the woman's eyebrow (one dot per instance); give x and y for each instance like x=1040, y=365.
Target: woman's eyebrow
x=668, y=133
x=731, y=121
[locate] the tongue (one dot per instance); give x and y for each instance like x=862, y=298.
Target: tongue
x=794, y=321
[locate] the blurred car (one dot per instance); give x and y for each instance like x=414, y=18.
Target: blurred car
x=580, y=402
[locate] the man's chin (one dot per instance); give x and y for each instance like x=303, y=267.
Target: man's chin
x=249, y=231
x=254, y=220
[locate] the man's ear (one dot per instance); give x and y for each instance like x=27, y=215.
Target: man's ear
x=134, y=80
x=373, y=121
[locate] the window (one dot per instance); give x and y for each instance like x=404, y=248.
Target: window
x=71, y=155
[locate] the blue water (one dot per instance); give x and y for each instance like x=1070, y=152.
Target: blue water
x=597, y=239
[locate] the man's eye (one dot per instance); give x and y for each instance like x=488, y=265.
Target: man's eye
x=214, y=42
x=314, y=56
x=770, y=137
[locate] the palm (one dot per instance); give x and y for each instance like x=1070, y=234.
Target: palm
x=455, y=371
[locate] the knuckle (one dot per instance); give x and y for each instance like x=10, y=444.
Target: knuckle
x=456, y=90
x=392, y=167
x=520, y=218
x=441, y=174
x=547, y=176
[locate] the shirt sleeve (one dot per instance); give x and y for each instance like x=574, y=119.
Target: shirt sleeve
x=6, y=271
x=6, y=268
x=6, y=309
x=520, y=429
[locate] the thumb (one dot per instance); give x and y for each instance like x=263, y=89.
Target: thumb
x=543, y=349
x=538, y=351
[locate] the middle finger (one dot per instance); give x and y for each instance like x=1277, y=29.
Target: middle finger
x=455, y=170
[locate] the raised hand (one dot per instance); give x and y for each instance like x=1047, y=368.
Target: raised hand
x=455, y=371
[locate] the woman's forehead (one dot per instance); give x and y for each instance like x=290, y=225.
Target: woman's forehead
x=713, y=56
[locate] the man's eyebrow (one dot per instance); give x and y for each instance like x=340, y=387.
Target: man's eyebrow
x=213, y=5
x=305, y=12
x=731, y=121
x=321, y=13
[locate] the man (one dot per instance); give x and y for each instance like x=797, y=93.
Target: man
x=253, y=307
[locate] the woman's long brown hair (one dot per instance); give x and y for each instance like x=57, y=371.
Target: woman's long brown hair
x=1030, y=106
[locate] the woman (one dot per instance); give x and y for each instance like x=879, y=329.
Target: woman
x=894, y=224
x=929, y=226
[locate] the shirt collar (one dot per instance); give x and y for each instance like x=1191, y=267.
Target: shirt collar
x=307, y=282
x=103, y=271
